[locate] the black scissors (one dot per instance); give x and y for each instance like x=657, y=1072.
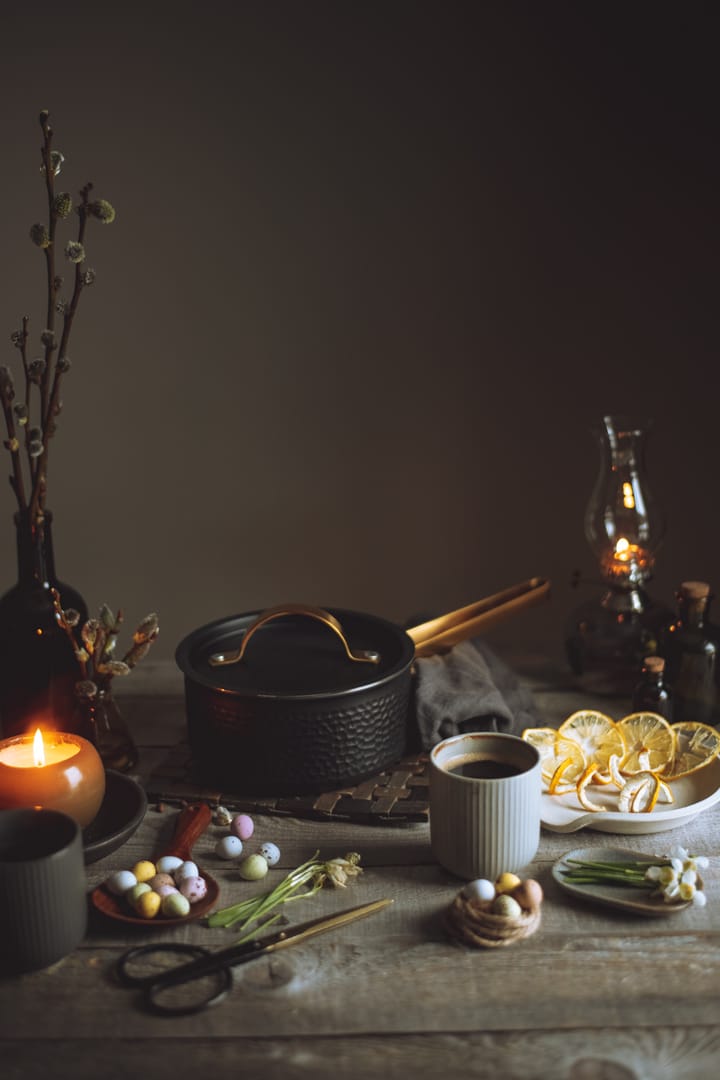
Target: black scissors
x=216, y=967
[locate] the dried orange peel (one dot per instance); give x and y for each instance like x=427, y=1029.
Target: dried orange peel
x=639, y=755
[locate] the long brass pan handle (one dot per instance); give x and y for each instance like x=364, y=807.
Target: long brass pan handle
x=439, y=634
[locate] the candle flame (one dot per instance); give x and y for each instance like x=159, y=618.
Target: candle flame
x=622, y=548
x=38, y=749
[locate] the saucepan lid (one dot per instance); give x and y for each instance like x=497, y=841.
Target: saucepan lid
x=295, y=651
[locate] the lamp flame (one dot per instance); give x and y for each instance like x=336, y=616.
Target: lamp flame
x=38, y=749
x=622, y=549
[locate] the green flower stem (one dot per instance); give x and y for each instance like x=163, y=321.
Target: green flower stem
x=256, y=907
x=612, y=873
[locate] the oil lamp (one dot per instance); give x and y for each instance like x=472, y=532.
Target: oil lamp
x=609, y=637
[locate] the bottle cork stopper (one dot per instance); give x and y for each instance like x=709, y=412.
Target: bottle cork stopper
x=655, y=664
x=695, y=590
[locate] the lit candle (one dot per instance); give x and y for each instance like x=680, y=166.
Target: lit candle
x=55, y=771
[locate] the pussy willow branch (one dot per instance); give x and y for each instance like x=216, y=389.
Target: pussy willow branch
x=50, y=399
x=49, y=253
x=16, y=479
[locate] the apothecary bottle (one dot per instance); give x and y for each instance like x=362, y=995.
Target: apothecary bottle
x=651, y=694
x=691, y=656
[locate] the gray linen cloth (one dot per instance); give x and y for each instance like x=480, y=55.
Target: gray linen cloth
x=470, y=689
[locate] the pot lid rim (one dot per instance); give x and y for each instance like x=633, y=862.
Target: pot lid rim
x=204, y=635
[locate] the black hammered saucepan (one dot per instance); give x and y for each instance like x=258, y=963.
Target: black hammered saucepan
x=301, y=699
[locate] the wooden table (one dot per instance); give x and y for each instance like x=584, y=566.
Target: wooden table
x=593, y=994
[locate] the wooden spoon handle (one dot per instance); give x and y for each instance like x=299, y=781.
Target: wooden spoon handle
x=191, y=824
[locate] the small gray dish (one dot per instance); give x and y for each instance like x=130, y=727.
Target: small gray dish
x=119, y=816
x=639, y=901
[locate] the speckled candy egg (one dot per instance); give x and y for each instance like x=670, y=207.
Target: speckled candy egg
x=230, y=847
x=193, y=888
x=166, y=890
x=479, y=889
x=270, y=853
x=160, y=879
x=148, y=905
x=144, y=870
x=175, y=906
x=242, y=826
x=185, y=869
x=168, y=864
x=253, y=868
x=133, y=895
x=119, y=882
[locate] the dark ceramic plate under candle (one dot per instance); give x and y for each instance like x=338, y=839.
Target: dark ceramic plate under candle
x=120, y=814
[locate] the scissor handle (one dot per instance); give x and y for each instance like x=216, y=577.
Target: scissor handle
x=202, y=963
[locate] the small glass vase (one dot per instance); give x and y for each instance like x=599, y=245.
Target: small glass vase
x=38, y=667
x=99, y=720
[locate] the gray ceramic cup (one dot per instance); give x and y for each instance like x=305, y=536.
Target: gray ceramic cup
x=485, y=791
x=43, y=903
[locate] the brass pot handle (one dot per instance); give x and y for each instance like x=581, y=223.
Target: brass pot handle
x=362, y=656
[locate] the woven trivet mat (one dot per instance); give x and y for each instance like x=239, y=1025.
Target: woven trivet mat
x=397, y=795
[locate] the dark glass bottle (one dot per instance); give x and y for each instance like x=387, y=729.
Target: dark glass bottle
x=651, y=693
x=691, y=657
x=38, y=668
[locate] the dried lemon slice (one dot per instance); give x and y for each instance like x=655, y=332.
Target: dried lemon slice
x=543, y=739
x=556, y=750
x=562, y=780
x=639, y=794
x=596, y=734
x=696, y=745
x=649, y=741
x=587, y=776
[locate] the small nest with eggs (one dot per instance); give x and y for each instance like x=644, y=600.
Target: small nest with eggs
x=473, y=922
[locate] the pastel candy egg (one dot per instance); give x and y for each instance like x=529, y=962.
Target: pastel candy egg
x=480, y=889
x=166, y=890
x=160, y=879
x=133, y=895
x=230, y=847
x=270, y=853
x=253, y=868
x=507, y=882
x=185, y=869
x=119, y=882
x=504, y=904
x=193, y=888
x=148, y=904
x=174, y=905
x=168, y=864
x=242, y=826
x=144, y=870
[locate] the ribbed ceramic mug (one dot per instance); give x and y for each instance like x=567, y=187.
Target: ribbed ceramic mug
x=43, y=902
x=485, y=791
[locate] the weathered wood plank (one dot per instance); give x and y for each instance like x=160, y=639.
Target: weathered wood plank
x=667, y=1053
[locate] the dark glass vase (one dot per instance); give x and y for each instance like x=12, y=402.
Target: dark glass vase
x=38, y=668
x=99, y=720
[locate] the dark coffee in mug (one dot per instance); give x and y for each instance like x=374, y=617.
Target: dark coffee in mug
x=482, y=767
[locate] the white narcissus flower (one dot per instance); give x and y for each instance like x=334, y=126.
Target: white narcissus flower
x=687, y=890
x=671, y=892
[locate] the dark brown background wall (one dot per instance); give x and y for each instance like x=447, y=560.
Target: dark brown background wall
x=375, y=270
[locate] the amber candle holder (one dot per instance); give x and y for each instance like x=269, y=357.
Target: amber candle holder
x=53, y=771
